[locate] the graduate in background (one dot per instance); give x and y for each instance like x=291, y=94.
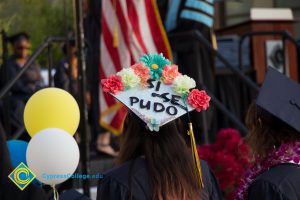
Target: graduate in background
x=192, y=57
x=274, y=124
x=155, y=162
x=30, y=82
x=66, y=73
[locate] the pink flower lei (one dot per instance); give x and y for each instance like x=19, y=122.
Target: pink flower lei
x=286, y=153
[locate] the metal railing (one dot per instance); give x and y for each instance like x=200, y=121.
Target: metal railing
x=239, y=72
x=4, y=92
x=285, y=35
x=45, y=45
x=219, y=105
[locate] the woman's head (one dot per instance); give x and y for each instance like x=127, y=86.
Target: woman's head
x=167, y=156
x=266, y=131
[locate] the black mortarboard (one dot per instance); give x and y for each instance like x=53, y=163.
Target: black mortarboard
x=280, y=96
x=17, y=37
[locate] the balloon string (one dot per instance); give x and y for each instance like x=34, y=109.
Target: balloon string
x=55, y=193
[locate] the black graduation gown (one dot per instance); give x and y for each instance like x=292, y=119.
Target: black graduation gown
x=31, y=192
x=116, y=186
x=281, y=182
x=30, y=82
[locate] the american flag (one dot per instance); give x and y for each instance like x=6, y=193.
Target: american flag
x=130, y=28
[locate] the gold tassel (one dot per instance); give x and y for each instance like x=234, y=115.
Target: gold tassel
x=195, y=155
x=214, y=39
x=115, y=31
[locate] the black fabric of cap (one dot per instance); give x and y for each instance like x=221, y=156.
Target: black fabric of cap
x=17, y=37
x=280, y=96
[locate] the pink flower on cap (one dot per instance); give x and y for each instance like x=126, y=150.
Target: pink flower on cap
x=198, y=99
x=112, y=84
x=169, y=73
x=142, y=71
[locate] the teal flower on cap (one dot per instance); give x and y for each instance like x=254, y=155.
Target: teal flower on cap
x=153, y=125
x=156, y=63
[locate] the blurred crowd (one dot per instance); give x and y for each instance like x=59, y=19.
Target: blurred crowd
x=65, y=77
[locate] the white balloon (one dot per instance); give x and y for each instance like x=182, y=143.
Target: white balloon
x=52, y=155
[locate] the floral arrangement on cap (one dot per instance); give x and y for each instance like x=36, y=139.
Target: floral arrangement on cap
x=157, y=93
x=157, y=67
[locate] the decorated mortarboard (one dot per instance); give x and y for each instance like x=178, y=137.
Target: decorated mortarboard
x=280, y=96
x=158, y=93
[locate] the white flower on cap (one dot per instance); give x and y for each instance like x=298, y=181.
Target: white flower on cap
x=129, y=78
x=183, y=84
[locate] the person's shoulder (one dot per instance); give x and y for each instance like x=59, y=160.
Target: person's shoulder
x=130, y=168
x=264, y=189
x=62, y=67
x=280, y=182
x=11, y=63
x=11, y=59
x=204, y=165
x=211, y=185
x=281, y=174
x=115, y=184
x=205, y=169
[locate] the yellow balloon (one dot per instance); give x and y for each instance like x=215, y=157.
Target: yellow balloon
x=51, y=108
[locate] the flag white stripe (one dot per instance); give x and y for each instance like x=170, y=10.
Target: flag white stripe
x=102, y=101
x=144, y=25
x=106, y=61
x=135, y=47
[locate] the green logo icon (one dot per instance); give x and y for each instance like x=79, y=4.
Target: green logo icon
x=22, y=176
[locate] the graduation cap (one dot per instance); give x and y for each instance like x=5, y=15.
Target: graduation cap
x=156, y=92
x=18, y=37
x=280, y=96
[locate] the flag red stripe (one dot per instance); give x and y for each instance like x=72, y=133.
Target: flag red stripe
x=119, y=117
x=134, y=20
x=155, y=29
x=123, y=25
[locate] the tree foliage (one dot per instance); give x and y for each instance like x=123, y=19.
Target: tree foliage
x=39, y=18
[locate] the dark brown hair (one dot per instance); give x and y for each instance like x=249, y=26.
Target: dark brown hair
x=168, y=159
x=267, y=132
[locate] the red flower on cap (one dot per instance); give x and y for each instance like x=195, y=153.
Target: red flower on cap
x=198, y=99
x=112, y=84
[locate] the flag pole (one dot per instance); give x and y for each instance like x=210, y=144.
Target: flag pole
x=84, y=147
